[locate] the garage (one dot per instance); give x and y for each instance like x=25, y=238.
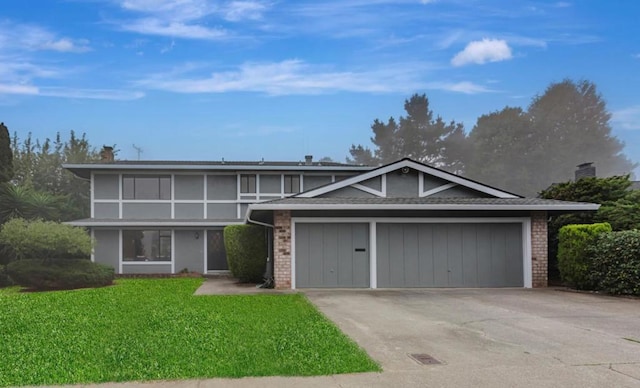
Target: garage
x=332, y=255
x=449, y=255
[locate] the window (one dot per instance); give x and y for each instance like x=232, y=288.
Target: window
x=291, y=184
x=146, y=187
x=146, y=245
x=247, y=183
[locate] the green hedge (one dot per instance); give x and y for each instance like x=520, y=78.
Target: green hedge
x=616, y=262
x=246, y=247
x=44, y=240
x=59, y=274
x=573, y=259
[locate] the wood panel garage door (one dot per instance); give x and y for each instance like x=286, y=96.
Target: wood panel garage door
x=449, y=255
x=332, y=255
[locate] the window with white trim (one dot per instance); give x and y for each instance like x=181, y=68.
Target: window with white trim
x=146, y=245
x=291, y=184
x=247, y=184
x=146, y=187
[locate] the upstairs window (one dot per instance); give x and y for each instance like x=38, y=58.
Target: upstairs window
x=248, y=184
x=291, y=184
x=146, y=187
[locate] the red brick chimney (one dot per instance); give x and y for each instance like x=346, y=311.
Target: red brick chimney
x=106, y=155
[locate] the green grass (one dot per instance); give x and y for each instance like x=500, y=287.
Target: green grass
x=149, y=329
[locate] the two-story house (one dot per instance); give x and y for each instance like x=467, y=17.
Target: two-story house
x=405, y=224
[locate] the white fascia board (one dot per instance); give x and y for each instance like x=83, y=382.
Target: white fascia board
x=225, y=167
x=411, y=164
x=123, y=223
x=571, y=207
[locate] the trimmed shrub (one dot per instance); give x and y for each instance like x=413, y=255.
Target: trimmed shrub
x=616, y=262
x=246, y=247
x=59, y=274
x=573, y=259
x=45, y=240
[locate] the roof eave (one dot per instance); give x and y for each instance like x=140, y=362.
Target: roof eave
x=530, y=207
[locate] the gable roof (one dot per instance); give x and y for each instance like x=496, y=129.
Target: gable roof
x=409, y=163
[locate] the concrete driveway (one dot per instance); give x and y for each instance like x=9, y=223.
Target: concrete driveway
x=490, y=337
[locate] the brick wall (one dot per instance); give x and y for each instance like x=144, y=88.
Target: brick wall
x=539, y=248
x=282, y=248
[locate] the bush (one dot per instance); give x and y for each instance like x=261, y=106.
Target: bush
x=573, y=259
x=45, y=240
x=5, y=280
x=246, y=247
x=59, y=274
x=616, y=262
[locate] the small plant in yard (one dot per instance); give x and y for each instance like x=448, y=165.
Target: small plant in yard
x=156, y=329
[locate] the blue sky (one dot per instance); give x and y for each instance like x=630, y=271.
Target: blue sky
x=251, y=79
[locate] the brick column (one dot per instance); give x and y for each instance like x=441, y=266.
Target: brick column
x=282, y=248
x=539, y=248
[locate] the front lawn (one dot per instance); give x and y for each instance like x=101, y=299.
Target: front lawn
x=157, y=329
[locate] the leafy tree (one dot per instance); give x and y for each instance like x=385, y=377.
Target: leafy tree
x=418, y=135
x=525, y=152
x=499, y=149
x=6, y=156
x=38, y=166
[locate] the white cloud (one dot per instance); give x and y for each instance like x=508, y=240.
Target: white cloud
x=241, y=10
x=27, y=37
x=465, y=87
x=637, y=56
x=17, y=89
x=627, y=118
x=170, y=9
x=483, y=51
x=152, y=26
x=290, y=77
x=94, y=94
x=562, y=4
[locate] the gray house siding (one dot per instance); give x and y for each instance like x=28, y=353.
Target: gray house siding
x=146, y=210
x=189, y=187
x=313, y=181
x=105, y=250
x=189, y=210
x=106, y=210
x=270, y=183
x=373, y=183
x=347, y=192
x=222, y=210
x=189, y=250
x=222, y=187
x=106, y=186
x=402, y=185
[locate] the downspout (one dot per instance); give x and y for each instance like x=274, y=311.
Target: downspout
x=269, y=281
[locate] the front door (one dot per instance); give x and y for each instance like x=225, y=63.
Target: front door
x=216, y=254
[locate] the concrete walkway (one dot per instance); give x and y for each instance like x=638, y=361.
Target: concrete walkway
x=484, y=338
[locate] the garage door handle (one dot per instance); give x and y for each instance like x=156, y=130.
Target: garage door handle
x=361, y=249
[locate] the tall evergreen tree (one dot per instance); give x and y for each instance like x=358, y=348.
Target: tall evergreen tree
x=525, y=152
x=418, y=135
x=6, y=156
